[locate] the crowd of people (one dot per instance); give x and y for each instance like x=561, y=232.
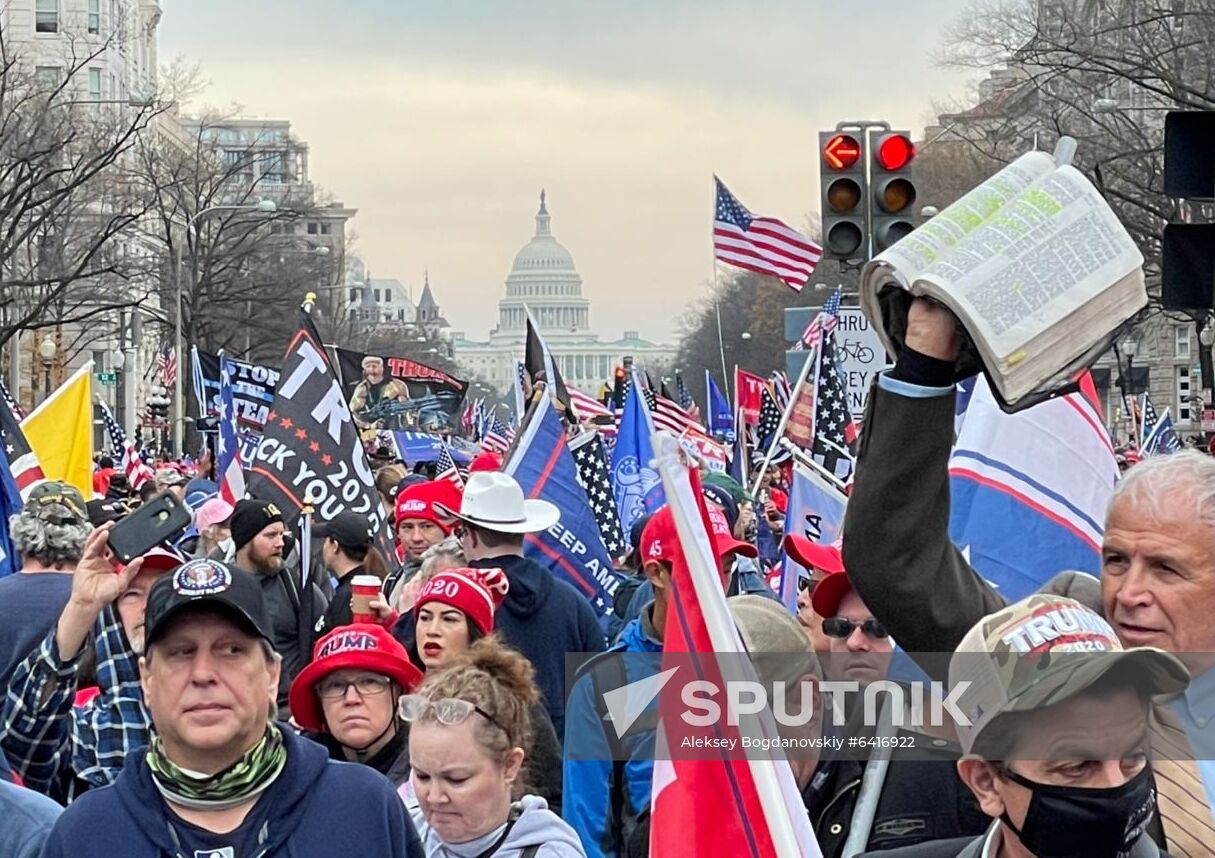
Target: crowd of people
x=206, y=699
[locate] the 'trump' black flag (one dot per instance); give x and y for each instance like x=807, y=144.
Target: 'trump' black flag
x=310, y=451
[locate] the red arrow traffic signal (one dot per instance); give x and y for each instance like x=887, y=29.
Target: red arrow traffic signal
x=841, y=152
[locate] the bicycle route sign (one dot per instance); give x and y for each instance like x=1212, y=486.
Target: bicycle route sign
x=860, y=355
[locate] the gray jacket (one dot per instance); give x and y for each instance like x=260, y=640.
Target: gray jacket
x=535, y=826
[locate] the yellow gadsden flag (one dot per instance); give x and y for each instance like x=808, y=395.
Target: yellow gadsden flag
x=60, y=432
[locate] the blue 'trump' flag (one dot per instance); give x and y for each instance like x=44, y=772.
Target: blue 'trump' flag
x=572, y=548
x=636, y=484
x=1030, y=490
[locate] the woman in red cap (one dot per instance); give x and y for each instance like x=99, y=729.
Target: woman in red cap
x=455, y=610
x=346, y=698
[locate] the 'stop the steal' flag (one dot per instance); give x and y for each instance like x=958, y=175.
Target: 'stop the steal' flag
x=635, y=483
x=310, y=453
x=572, y=548
x=1030, y=490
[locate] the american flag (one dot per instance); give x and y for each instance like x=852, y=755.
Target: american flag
x=596, y=481
x=1147, y=416
x=764, y=245
x=446, y=468
x=22, y=462
x=684, y=396
x=668, y=415
x=136, y=470
x=229, y=464
x=834, y=429
x=166, y=364
x=780, y=388
x=587, y=407
x=824, y=322
x=769, y=418
x=498, y=436
x=13, y=405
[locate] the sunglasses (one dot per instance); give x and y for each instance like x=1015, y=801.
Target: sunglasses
x=449, y=711
x=806, y=584
x=842, y=627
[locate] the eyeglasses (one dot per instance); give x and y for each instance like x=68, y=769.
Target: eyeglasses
x=366, y=686
x=449, y=711
x=842, y=627
x=806, y=584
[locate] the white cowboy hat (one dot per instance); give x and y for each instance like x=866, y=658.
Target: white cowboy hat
x=494, y=501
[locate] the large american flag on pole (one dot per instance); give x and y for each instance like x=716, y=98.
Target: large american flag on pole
x=764, y=245
x=137, y=471
x=166, y=363
x=228, y=458
x=22, y=461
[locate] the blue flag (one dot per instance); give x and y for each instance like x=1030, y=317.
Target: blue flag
x=816, y=512
x=572, y=548
x=719, y=418
x=414, y=447
x=1162, y=438
x=636, y=485
x=10, y=505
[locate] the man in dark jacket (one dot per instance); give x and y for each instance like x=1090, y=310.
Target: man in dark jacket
x=219, y=778
x=1157, y=586
x=258, y=537
x=543, y=617
x=348, y=539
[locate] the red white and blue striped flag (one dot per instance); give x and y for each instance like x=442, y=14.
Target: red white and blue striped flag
x=137, y=471
x=764, y=245
x=230, y=466
x=166, y=363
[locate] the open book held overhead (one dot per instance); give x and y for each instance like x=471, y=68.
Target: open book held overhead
x=1035, y=265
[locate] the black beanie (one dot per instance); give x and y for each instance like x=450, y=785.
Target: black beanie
x=251, y=517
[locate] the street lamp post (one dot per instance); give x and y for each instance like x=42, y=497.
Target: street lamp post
x=46, y=351
x=179, y=417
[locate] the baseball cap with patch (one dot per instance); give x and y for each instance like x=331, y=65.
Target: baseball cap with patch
x=58, y=503
x=210, y=584
x=1044, y=650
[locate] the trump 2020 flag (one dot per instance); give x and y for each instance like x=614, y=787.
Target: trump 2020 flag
x=636, y=484
x=310, y=453
x=750, y=796
x=1029, y=490
x=544, y=468
x=815, y=512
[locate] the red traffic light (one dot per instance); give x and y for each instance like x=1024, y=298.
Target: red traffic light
x=841, y=152
x=894, y=151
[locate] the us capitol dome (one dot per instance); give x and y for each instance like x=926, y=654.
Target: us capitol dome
x=544, y=280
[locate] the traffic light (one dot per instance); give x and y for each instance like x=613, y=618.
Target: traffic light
x=893, y=191
x=844, y=188
x=1187, y=277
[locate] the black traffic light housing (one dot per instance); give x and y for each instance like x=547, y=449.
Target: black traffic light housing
x=1187, y=280
x=845, y=193
x=894, y=193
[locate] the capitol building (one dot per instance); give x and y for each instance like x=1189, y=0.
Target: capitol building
x=544, y=280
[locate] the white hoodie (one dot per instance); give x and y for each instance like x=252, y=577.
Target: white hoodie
x=536, y=826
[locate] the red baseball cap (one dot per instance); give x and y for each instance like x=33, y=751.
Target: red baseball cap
x=486, y=461
x=660, y=539
x=829, y=593
x=814, y=555
x=418, y=501
x=361, y=646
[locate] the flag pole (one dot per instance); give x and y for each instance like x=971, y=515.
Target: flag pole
x=721, y=343
x=784, y=417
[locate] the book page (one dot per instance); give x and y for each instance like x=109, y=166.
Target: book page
x=1050, y=250
x=929, y=242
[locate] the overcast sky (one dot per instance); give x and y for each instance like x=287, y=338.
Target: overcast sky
x=441, y=121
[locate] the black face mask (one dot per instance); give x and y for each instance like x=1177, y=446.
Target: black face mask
x=1071, y=822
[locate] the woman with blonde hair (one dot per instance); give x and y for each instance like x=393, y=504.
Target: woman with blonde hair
x=470, y=722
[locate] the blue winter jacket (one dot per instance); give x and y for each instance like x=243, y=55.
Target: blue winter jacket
x=589, y=766
x=319, y=808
